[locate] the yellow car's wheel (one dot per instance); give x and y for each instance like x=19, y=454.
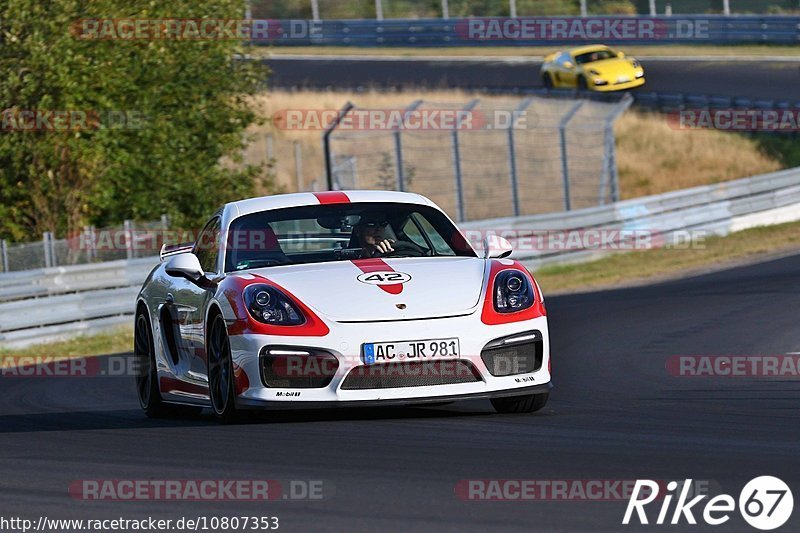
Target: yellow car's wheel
x=547, y=80
x=582, y=85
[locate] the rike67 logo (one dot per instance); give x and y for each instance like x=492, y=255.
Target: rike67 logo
x=765, y=503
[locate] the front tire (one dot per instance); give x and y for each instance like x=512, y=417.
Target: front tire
x=220, y=371
x=582, y=84
x=520, y=404
x=146, y=374
x=547, y=81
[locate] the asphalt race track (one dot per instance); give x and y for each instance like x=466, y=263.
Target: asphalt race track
x=773, y=80
x=616, y=414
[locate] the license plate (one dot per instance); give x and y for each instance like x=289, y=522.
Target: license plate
x=393, y=352
x=623, y=79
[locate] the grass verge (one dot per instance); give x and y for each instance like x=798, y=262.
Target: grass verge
x=641, y=51
x=117, y=340
x=632, y=268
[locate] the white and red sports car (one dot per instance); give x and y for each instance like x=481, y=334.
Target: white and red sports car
x=338, y=298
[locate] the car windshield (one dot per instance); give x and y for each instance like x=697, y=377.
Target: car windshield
x=341, y=232
x=598, y=55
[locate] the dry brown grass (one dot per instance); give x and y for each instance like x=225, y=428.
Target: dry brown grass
x=652, y=157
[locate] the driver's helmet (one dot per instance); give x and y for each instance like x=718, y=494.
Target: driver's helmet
x=372, y=220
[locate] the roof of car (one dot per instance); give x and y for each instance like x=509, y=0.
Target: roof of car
x=587, y=49
x=280, y=201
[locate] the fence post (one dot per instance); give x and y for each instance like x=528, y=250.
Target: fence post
x=88, y=243
x=726, y=7
x=399, y=169
x=562, y=128
x=457, y=165
x=512, y=8
x=445, y=9
x=298, y=165
x=315, y=10
x=653, y=10
x=48, y=258
x=270, y=148
x=512, y=155
x=326, y=143
x=610, y=174
x=4, y=254
x=379, y=9
x=584, y=9
x=128, y=228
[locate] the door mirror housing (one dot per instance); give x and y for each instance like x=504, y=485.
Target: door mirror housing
x=496, y=247
x=185, y=265
x=620, y=54
x=569, y=65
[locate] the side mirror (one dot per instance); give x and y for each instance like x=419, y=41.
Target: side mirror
x=569, y=65
x=496, y=247
x=620, y=54
x=185, y=265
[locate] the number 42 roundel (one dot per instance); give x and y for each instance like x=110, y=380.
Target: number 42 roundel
x=387, y=277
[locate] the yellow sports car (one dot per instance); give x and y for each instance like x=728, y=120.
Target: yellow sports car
x=595, y=67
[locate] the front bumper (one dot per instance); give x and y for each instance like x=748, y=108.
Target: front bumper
x=345, y=341
x=611, y=87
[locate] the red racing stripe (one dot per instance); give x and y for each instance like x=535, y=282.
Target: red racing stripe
x=377, y=264
x=332, y=197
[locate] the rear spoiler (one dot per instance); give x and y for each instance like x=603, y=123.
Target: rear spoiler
x=175, y=249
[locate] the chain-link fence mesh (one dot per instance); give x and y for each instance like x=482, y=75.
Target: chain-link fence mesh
x=508, y=157
x=92, y=245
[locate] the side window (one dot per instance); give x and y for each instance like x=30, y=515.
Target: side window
x=412, y=232
x=207, y=246
x=440, y=246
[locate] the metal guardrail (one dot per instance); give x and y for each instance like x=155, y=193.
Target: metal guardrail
x=683, y=29
x=56, y=303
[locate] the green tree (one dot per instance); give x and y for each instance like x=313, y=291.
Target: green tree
x=185, y=104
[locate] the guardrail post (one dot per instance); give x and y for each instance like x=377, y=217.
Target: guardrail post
x=653, y=10
x=584, y=9
x=379, y=9
x=512, y=8
x=4, y=254
x=457, y=165
x=562, y=128
x=315, y=10
x=398, y=148
x=48, y=258
x=128, y=229
x=512, y=155
x=326, y=143
x=445, y=9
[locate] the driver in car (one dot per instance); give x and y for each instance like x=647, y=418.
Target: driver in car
x=370, y=235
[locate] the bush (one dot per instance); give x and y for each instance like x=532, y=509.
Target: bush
x=188, y=96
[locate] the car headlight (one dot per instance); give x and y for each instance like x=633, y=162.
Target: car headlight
x=512, y=292
x=269, y=305
x=636, y=63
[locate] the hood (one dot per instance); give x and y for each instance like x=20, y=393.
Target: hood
x=371, y=289
x=616, y=66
